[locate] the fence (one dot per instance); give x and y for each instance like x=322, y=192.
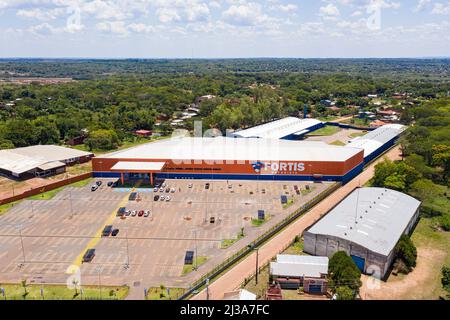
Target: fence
x=49, y=187
x=258, y=242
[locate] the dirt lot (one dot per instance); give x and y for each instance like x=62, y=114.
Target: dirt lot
x=56, y=232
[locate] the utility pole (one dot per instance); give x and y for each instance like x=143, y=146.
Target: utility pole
x=196, y=256
x=207, y=289
x=257, y=271
x=21, y=242
x=99, y=270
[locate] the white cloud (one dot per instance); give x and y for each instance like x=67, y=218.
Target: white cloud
x=421, y=5
x=329, y=10
x=441, y=8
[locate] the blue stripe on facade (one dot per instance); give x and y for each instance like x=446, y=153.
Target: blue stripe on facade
x=380, y=150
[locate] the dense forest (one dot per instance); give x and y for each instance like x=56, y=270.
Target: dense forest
x=118, y=97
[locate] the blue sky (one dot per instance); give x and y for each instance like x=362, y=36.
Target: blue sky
x=224, y=28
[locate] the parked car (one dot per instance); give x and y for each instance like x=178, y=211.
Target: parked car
x=163, y=185
x=163, y=198
x=161, y=190
x=133, y=213
x=156, y=198
x=128, y=213
x=141, y=213
x=89, y=255
x=155, y=190
x=121, y=211
x=168, y=198
x=107, y=231
x=115, y=232
x=133, y=196
x=147, y=213
x=207, y=186
x=190, y=185
x=167, y=190
x=172, y=190
x=94, y=187
x=99, y=183
x=110, y=183
x=230, y=186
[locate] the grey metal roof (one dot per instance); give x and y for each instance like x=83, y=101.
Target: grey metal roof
x=233, y=149
x=21, y=160
x=299, y=266
x=277, y=129
x=373, y=218
x=377, y=138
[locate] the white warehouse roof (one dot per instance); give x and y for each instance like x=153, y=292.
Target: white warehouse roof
x=377, y=138
x=299, y=266
x=21, y=160
x=277, y=129
x=221, y=148
x=374, y=218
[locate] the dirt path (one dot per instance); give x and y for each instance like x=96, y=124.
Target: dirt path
x=235, y=276
x=413, y=286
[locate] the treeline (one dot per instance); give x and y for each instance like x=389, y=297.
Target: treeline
x=425, y=171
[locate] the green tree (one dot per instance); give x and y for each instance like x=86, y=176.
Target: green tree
x=103, y=140
x=406, y=251
x=345, y=293
x=6, y=144
x=445, y=280
x=344, y=272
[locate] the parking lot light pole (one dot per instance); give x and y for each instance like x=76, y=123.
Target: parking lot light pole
x=99, y=270
x=195, y=243
x=257, y=271
x=21, y=243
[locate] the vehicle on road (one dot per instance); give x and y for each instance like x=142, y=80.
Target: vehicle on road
x=121, y=211
x=156, y=198
x=107, y=231
x=132, y=196
x=147, y=213
x=89, y=255
x=141, y=213
x=115, y=232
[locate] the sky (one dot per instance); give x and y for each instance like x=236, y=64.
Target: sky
x=224, y=28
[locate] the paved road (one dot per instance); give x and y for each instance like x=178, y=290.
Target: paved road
x=233, y=278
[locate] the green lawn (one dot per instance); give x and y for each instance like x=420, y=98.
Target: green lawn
x=226, y=243
x=338, y=143
x=197, y=263
x=59, y=292
x=260, y=222
x=326, y=131
x=161, y=294
x=358, y=134
x=4, y=208
x=288, y=204
x=296, y=248
x=50, y=194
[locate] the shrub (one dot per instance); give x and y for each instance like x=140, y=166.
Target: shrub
x=406, y=252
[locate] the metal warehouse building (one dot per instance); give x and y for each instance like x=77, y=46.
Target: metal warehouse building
x=367, y=225
x=290, y=128
x=39, y=160
x=228, y=158
x=378, y=141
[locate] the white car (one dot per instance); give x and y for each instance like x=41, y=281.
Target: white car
x=155, y=190
x=190, y=185
x=147, y=213
x=172, y=190
x=134, y=213
x=163, y=185
x=162, y=198
x=168, y=198
x=161, y=190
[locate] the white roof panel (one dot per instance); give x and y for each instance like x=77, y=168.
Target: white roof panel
x=277, y=129
x=373, y=218
x=232, y=149
x=299, y=266
x=141, y=166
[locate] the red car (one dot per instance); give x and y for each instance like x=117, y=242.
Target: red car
x=141, y=213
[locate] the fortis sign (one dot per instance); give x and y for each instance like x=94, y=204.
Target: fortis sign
x=278, y=167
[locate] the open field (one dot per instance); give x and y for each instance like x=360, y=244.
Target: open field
x=148, y=252
x=424, y=282
x=339, y=137
x=55, y=292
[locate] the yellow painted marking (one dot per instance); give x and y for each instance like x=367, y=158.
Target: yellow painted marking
x=98, y=235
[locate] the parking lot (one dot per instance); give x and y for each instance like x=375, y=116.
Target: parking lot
x=55, y=233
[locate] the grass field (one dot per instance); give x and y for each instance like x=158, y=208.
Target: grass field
x=50, y=194
x=4, y=208
x=162, y=294
x=260, y=222
x=226, y=243
x=58, y=292
x=338, y=143
x=197, y=263
x=326, y=131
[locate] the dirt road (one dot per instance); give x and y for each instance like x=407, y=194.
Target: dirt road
x=412, y=286
x=233, y=278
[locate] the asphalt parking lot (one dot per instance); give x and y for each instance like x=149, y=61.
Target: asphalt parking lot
x=148, y=250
